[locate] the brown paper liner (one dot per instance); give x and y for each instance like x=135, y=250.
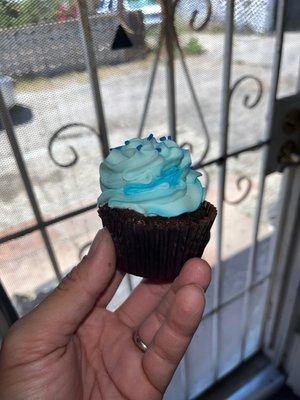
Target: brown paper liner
x=157, y=247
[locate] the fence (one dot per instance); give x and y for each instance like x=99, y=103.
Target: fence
x=22, y=49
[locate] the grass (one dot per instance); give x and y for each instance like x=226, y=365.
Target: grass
x=193, y=47
x=180, y=25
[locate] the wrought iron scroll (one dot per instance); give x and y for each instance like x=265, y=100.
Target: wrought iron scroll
x=247, y=190
x=189, y=145
x=55, y=137
x=250, y=104
x=247, y=102
x=192, y=22
x=243, y=183
x=167, y=22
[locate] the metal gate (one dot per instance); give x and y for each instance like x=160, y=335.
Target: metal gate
x=209, y=75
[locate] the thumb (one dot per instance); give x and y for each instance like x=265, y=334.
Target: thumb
x=62, y=312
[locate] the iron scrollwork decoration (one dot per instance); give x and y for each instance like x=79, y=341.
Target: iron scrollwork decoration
x=192, y=22
x=189, y=145
x=168, y=25
x=247, y=102
x=247, y=190
x=56, y=136
x=250, y=104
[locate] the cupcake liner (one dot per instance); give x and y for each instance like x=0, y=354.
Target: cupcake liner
x=157, y=247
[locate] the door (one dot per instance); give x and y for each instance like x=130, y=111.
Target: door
x=210, y=74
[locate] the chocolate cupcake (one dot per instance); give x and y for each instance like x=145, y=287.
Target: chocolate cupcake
x=153, y=205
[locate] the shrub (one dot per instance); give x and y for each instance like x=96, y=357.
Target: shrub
x=193, y=47
x=24, y=12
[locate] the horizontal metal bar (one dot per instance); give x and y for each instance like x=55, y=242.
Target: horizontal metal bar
x=82, y=210
x=222, y=159
x=236, y=378
x=70, y=214
x=18, y=234
x=49, y=222
x=262, y=386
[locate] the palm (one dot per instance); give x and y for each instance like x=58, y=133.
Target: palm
x=89, y=369
x=107, y=357
x=71, y=347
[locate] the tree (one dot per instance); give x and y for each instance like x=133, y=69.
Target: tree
x=25, y=12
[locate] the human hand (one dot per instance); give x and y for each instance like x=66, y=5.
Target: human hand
x=70, y=347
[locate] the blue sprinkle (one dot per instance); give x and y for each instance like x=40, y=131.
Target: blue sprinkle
x=150, y=136
x=127, y=142
x=170, y=137
x=162, y=138
x=139, y=147
x=158, y=149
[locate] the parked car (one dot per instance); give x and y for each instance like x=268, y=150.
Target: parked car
x=150, y=9
x=7, y=90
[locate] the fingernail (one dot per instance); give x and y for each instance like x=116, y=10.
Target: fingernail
x=97, y=242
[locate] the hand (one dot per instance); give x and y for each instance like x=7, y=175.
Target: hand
x=70, y=347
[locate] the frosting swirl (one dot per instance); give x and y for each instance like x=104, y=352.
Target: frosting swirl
x=151, y=177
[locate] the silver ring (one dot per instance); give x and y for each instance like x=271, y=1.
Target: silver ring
x=138, y=342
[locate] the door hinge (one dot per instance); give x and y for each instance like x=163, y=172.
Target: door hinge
x=285, y=137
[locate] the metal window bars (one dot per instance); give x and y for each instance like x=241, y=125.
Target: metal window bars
x=169, y=38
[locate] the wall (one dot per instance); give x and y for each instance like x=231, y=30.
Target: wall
x=49, y=49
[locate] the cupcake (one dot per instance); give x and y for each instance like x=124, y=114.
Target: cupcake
x=152, y=203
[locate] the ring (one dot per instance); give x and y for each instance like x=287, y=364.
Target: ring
x=138, y=342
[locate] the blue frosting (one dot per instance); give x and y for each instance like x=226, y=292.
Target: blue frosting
x=151, y=177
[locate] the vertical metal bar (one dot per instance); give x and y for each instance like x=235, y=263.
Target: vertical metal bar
x=196, y=103
x=276, y=259
x=168, y=16
x=150, y=87
x=129, y=281
x=94, y=80
x=226, y=91
x=298, y=80
x=8, y=125
x=284, y=323
x=272, y=102
x=186, y=374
